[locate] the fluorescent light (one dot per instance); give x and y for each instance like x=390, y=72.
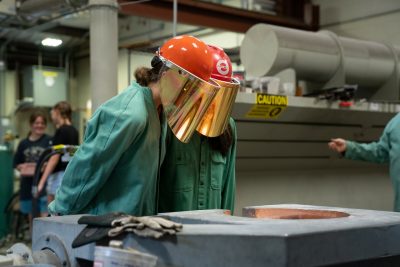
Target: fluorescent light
x=89, y=104
x=51, y=42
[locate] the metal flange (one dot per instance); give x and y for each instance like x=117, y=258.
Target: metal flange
x=53, y=243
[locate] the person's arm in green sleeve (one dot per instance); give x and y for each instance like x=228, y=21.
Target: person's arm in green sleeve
x=229, y=187
x=373, y=152
x=107, y=136
x=377, y=152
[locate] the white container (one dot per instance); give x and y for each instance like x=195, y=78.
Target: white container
x=288, y=89
x=6, y=261
x=116, y=257
x=35, y=265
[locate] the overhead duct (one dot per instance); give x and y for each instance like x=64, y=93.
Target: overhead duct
x=38, y=8
x=322, y=57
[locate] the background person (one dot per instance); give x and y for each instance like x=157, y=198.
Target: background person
x=117, y=166
x=200, y=174
x=385, y=150
x=65, y=134
x=25, y=159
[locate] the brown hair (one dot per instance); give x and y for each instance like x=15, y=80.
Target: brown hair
x=64, y=108
x=36, y=114
x=144, y=76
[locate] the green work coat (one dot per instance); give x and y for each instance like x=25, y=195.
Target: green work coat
x=386, y=150
x=117, y=166
x=196, y=177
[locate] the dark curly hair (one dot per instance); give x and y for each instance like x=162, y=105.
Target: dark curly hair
x=223, y=142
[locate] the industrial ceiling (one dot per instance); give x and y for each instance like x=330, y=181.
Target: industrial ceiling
x=24, y=23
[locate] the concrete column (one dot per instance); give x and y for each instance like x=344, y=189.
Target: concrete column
x=2, y=83
x=103, y=50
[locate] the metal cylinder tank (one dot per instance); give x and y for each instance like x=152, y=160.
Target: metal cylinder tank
x=317, y=56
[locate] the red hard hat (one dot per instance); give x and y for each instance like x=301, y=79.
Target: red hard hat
x=190, y=54
x=222, y=66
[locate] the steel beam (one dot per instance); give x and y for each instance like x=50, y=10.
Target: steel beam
x=210, y=15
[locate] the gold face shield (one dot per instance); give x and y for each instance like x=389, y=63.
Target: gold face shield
x=185, y=99
x=216, y=119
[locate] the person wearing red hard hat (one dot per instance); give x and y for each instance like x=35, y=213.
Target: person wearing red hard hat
x=116, y=169
x=201, y=174
x=187, y=90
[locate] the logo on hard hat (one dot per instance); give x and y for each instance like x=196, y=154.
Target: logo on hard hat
x=222, y=67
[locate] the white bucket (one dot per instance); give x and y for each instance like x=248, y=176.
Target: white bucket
x=6, y=261
x=109, y=256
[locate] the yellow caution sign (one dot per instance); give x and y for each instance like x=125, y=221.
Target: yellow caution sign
x=268, y=106
x=49, y=73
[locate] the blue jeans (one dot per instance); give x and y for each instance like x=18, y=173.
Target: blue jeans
x=54, y=182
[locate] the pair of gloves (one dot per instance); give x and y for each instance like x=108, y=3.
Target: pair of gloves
x=114, y=224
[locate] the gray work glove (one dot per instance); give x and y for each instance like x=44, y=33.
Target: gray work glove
x=147, y=226
x=113, y=224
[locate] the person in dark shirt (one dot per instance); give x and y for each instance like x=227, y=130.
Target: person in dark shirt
x=65, y=134
x=25, y=159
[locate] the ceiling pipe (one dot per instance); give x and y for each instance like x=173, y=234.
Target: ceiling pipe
x=37, y=8
x=175, y=17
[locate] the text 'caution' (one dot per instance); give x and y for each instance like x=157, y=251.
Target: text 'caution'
x=268, y=106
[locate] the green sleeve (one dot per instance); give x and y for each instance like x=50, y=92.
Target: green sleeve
x=111, y=130
x=229, y=187
x=377, y=152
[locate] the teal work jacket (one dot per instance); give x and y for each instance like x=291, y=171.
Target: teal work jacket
x=386, y=150
x=117, y=166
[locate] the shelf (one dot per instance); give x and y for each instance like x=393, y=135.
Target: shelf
x=300, y=133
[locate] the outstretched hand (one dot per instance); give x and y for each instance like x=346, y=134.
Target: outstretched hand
x=338, y=145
